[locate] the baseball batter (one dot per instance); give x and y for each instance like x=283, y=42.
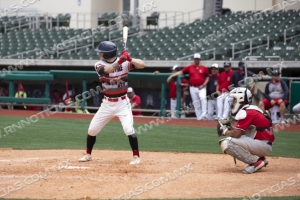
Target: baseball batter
x=199, y=77
x=251, y=140
x=224, y=101
x=113, y=74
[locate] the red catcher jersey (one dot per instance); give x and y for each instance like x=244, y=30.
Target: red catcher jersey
x=114, y=84
x=197, y=74
x=137, y=100
x=173, y=87
x=224, y=81
x=257, y=119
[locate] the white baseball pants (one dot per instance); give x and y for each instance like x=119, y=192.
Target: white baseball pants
x=296, y=108
x=199, y=101
x=211, y=106
x=173, y=103
x=108, y=110
x=255, y=147
x=223, y=105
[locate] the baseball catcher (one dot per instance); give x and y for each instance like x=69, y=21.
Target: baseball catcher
x=113, y=74
x=251, y=140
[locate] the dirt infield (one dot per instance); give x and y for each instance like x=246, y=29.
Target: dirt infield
x=26, y=173
x=109, y=175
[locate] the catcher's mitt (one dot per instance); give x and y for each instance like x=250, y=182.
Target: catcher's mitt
x=223, y=126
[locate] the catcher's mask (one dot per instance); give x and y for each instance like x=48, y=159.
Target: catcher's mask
x=241, y=96
x=108, y=48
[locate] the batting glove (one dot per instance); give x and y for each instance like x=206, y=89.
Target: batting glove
x=129, y=58
x=123, y=57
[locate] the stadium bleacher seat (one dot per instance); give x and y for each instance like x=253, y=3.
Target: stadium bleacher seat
x=166, y=43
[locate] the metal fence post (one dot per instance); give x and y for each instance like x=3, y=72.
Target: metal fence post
x=11, y=88
x=232, y=52
x=84, y=21
x=77, y=20
x=214, y=53
x=251, y=47
x=47, y=89
x=174, y=20
x=178, y=96
x=163, y=100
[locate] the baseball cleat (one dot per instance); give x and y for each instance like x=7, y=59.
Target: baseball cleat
x=282, y=121
x=254, y=167
x=264, y=159
x=135, y=161
x=85, y=158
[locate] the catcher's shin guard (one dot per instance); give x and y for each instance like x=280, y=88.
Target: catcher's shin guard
x=236, y=151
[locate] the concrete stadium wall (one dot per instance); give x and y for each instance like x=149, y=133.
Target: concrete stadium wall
x=167, y=8
x=53, y=7
x=172, y=6
x=255, y=5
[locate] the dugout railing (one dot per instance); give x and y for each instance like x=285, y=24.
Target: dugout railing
x=11, y=77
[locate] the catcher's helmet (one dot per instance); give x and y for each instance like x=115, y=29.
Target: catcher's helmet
x=227, y=64
x=108, y=48
x=242, y=96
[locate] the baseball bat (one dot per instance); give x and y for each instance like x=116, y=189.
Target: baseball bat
x=125, y=35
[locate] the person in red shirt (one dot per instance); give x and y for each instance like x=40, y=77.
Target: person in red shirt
x=223, y=100
x=198, y=79
x=135, y=101
x=173, y=99
x=252, y=138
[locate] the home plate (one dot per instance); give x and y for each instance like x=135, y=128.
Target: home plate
x=76, y=167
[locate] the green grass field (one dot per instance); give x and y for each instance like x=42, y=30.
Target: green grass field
x=71, y=134
x=264, y=198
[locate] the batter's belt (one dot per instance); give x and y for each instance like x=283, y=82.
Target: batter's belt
x=115, y=99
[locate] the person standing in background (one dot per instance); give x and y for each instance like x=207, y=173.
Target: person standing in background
x=224, y=101
x=211, y=89
x=199, y=77
x=239, y=74
x=135, y=101
x=173, y=94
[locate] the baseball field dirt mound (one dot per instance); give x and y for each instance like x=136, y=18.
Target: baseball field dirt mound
x=56, y=174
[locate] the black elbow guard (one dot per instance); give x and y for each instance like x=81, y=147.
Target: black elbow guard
x=101, y=71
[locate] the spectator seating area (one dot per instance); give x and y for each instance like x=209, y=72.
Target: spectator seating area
x=174, y=43
x=36, y=40
x=61, y=20
x=107, y=17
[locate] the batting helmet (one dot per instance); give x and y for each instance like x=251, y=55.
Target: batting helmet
x=108, y=48
x=227, y=64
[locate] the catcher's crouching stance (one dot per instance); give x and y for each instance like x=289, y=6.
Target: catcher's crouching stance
x=251, y=140
x=113, y=74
